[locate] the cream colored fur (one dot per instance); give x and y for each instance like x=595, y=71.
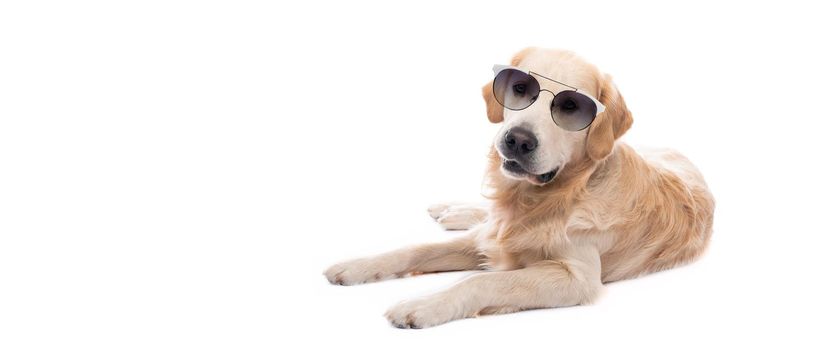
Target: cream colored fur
x=611, y=213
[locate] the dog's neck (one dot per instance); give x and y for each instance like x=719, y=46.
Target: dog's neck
x=520, y=204
x=522, y=197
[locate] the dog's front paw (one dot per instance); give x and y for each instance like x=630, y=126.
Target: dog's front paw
x=453, y=216
x=437, y=210
x=423, y=312
x=356, y=272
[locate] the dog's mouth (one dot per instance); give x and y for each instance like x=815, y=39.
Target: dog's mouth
x=516, y=170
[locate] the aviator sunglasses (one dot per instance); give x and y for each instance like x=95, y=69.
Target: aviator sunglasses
x=516, y=89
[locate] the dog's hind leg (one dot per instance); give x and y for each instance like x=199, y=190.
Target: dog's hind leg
x=459, y=216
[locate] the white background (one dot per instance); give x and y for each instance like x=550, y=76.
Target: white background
x=178, y=174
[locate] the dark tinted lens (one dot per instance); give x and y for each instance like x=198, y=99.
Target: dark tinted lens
x=572, y=111
x=515, y=89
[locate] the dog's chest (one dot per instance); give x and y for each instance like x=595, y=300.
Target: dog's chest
x=515, y=250
x=588, y=224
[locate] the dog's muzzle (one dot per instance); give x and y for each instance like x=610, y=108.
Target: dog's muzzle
x=514, y=167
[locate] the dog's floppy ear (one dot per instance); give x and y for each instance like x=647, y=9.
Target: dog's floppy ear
x=610, y=124
x=494, y=110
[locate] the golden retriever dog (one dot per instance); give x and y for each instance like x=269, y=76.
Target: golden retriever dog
x=569, y=211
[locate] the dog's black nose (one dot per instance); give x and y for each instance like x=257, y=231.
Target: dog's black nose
x=520, y=141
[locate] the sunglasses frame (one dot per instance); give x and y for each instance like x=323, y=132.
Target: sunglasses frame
x=498, y=68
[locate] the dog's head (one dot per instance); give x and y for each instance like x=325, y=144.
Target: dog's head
x=530, y=144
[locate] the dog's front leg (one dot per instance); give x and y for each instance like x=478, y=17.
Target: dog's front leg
x=571, y=278
x=456, y=255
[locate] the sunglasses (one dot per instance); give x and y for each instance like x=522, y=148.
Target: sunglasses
x=516, y=89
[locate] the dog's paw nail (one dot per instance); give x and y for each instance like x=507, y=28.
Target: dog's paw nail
x=334, y=275
x=421, y=313
x=437, y=210
x=357, y=271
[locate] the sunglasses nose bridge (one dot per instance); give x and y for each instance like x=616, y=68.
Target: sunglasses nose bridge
x=552, y=95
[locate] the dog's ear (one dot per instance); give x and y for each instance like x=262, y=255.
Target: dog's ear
x=494, y=110
x=610, y=124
